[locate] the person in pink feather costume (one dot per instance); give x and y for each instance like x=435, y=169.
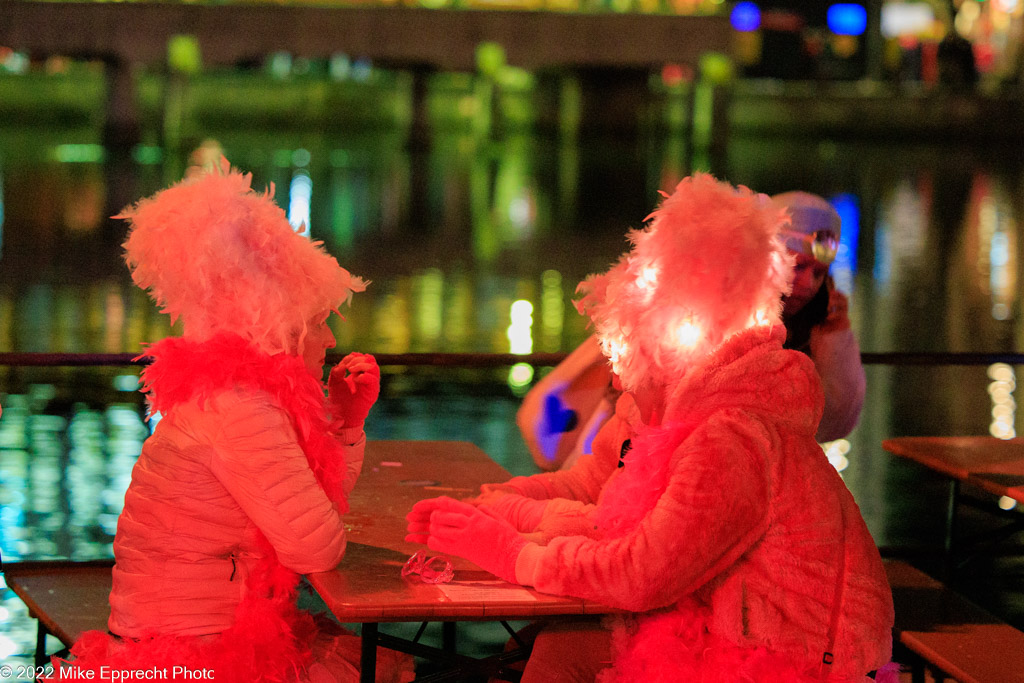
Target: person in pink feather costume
x=562, y=413
x=243, y=484
x=707, y=513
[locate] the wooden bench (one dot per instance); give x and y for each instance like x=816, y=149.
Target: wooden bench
x=66, y=598
x=936, y=629
x=948, y=635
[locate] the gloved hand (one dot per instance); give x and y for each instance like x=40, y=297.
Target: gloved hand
x=352, y=388
x=564, y=517
x=523, y=513
x=419, y=517
x=449, y=526
x=490, y=493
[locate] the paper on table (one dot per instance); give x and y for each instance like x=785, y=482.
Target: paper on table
x=486, y=591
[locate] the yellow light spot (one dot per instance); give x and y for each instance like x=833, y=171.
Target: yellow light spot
x=1000, y=372
x=1007, y=503
x=520, y=375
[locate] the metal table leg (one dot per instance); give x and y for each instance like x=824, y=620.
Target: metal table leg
x=950, y=541
x=368, y=653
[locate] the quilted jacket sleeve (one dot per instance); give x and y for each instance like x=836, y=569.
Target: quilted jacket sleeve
x=714, y=508
x=258, y=460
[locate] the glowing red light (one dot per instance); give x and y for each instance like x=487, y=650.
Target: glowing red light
x=674, y=74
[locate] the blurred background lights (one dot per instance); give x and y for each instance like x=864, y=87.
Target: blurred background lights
x=300, y=194
x=745, y=16
x=847, y=19
x=906, y=18
x=15, y=62
x=552, y=310
x=7, y=647
x=126, y=382
x=519, y=377
x=1007, y=503
x=845, y=265
x=339, y=66
x=836, y=452
x=1004, y=408
x=79, y=153
x=520, y=338
x=965, y=18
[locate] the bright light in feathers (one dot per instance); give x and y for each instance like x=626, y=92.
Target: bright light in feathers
x=648, y=278
x=760, y=317
x=614, y=349
x=688, y=334
x=711, y=250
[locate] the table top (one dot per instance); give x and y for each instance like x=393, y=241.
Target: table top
x=996, y=465
x=397, y=474
x=71, y=597
x=368, y=585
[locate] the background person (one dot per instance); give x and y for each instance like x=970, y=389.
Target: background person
x=707, y=511
x=561, y=414
x=242, y=486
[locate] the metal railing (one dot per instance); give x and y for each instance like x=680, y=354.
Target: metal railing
x=490, y=360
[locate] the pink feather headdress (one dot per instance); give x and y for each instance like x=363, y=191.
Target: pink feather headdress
x=709, y=263
x=225, y=259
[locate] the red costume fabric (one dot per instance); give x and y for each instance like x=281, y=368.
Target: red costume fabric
x=724, y=532
x=240, y=489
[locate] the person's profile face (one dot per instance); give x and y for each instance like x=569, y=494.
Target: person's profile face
x=808, y=276
x=318, y=339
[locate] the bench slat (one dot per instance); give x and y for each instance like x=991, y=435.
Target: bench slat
x=952, y=633
x=945, y=629
x=67, y=600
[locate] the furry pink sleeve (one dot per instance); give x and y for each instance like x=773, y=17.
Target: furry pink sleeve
x=258, y=460
x=585, y=479
x=714, y=508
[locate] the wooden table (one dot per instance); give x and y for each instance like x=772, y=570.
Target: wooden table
x=991, y=464
x=368, y=588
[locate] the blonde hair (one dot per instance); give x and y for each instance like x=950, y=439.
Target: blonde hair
x=224, y=258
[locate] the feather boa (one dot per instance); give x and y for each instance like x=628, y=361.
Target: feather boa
x=183, y=370
x=676, y=645
x=269, y=640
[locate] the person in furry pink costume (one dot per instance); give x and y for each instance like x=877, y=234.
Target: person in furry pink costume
x=562, y=413
x=243, y=484
x=707, y=512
